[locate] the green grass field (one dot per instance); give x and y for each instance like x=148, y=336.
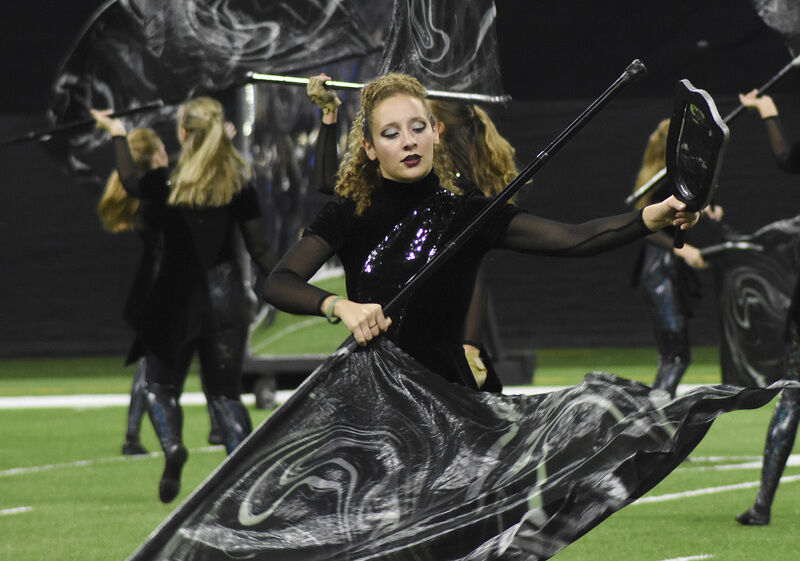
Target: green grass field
x=66, y=492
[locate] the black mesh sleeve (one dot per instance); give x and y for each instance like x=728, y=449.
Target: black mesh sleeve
x=326, y=159
x=128, y=172
x=260, y=251
x=531, y=234
x=661, y=239
x=287, y=287
x=788, y=157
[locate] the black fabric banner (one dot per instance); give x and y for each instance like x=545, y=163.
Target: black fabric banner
x=376, y=458
x=754, y=285
x=448, y=45
x=783, y=17
x=136, y=52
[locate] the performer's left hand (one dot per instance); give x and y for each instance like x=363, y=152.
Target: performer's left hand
x=669, y=212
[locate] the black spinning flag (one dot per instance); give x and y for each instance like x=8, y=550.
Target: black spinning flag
x=376, y=458
x=783, y=17
x=448, y=45
x=137, y=52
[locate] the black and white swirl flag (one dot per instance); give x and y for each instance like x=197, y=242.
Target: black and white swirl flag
x=375, y=458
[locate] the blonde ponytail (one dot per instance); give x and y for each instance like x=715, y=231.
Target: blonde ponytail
x=210, y=170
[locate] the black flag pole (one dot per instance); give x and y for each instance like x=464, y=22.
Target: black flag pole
x=45, y=134
x=660, y=177
x=161, y=535
x=353, y=86
x=634, y=70
x=66, y=127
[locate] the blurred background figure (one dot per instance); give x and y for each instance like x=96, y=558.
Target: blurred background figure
x=199, y=302
x=783, y=425
x=665, y=274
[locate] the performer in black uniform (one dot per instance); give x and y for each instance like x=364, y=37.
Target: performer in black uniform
x=118, y=213
x=664, y=275
x=199, y=301
x=389, y=200
x=480, y=156
x=377, y=455
x=783, y=426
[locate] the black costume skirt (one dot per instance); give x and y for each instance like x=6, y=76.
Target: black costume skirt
x=375, y=457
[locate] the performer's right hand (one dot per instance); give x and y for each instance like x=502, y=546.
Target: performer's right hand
x=105, y=122
x=762, y=103
x=365, y=321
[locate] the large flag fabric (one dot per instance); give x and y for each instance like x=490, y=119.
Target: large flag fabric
x=783, y=17
x=136, y=52
x=448, y=45
x=374, y=457
x=754, y=283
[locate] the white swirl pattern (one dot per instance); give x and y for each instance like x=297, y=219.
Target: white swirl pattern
x=384, y=460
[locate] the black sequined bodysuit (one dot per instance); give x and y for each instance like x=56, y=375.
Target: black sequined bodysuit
x=404, y=226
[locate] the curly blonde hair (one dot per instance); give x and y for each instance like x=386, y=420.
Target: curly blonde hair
x=477, y=149
x=358, y=175
x=116, y=209
x=653, y=161
x=210, y=170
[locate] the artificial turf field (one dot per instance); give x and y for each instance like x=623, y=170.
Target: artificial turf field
x=66, y=493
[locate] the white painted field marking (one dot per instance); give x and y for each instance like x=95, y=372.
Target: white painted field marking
x=692, y=558
x=86, y=401
x=17, y=510
x=710, y=490
x=752, y=463
x=98, y=461
x=255, y=349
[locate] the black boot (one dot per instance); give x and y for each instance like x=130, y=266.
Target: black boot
x=167, y=418
x=674, y=355
x=670, y=372
x=233, y=419
x=780, y=440
x=136, y=409
x=215, y=435
x=753, y=517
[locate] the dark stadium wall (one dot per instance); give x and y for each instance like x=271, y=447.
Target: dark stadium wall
x=64, y=279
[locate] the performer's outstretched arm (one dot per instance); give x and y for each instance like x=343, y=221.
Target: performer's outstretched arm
x=531, y=234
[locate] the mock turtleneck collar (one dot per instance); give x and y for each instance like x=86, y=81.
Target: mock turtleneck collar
x=386, y=189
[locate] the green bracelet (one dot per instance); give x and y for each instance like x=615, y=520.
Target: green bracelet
x=329, y=315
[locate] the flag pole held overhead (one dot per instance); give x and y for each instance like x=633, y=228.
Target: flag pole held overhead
x=353, y=86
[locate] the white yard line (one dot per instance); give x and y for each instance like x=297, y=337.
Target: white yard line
x=98, y=461
x=692, y=558
x=261, y=345
x=710, y=490
x=122, y=400
x=751, y=463
x=97, y=400
x=18, y=510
